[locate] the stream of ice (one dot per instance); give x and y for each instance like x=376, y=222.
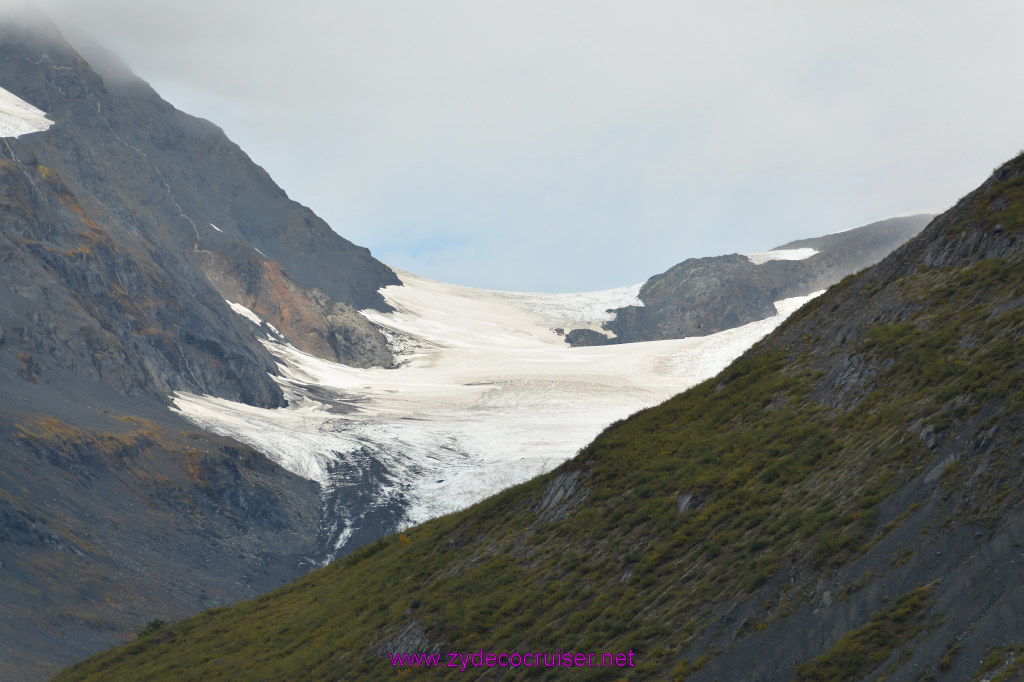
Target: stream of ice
x=486, y=395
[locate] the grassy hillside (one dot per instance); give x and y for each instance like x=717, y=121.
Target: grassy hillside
x=842, y=502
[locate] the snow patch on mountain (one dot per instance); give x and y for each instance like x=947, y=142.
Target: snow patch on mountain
x=245, y=312
x=18, y=117
x=486, y=395
x=780, y=254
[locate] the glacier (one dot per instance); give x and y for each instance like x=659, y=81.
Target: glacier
x=486, y=394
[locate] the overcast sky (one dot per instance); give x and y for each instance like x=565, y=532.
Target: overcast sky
x=568, y=145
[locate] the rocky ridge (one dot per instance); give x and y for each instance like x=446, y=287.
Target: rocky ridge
x=702, y=296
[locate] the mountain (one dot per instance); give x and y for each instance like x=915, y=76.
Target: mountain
x=190, y=215
x=702, y=296
x=842, y=502
x=129, y=234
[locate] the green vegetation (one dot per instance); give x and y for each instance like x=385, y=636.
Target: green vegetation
x=789, y=484
x=862, y=650
x=1002, y=664
x=155, y=625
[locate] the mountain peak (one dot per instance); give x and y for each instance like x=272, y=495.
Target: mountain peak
x=124, y=226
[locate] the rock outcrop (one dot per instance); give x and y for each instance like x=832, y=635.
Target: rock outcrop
x=702, y=296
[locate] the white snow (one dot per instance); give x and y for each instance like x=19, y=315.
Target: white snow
x=486, y=395
x=215, y=227
x=780, y=254
x=18, y=117
x=245, y=312
x=571, y=311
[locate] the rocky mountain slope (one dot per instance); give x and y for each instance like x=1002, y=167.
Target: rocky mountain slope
x=842, y=502
x=702, y=296
x=123, y=175
x=124, y=226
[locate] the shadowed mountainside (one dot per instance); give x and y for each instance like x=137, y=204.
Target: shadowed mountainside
x=126, y=196
x=123, y=229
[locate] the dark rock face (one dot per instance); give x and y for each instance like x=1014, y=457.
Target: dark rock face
x=103, y=530
x=354, y=492
x=310, y=319
x=137, y=143
x=135, y=318
x=123, y=229
x=165, y=202
x=702, y=296
x=587, y=337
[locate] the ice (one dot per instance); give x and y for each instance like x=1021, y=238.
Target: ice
x=780, y=254
x=245, y=312
x=486, y=394
x=573, y=311
x=18, y=117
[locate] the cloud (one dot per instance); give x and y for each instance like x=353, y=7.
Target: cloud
x=580, y=144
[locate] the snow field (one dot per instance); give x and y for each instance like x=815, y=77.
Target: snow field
x=780, y=254
x=18, y=117
x=486, y=394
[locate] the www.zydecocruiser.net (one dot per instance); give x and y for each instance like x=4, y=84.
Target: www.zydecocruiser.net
x=480, y=659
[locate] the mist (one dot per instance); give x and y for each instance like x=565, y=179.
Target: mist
x=579, y=145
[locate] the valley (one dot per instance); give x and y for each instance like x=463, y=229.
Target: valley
x=486, y=395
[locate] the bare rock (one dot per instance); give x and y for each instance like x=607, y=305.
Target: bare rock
x=563, y=494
